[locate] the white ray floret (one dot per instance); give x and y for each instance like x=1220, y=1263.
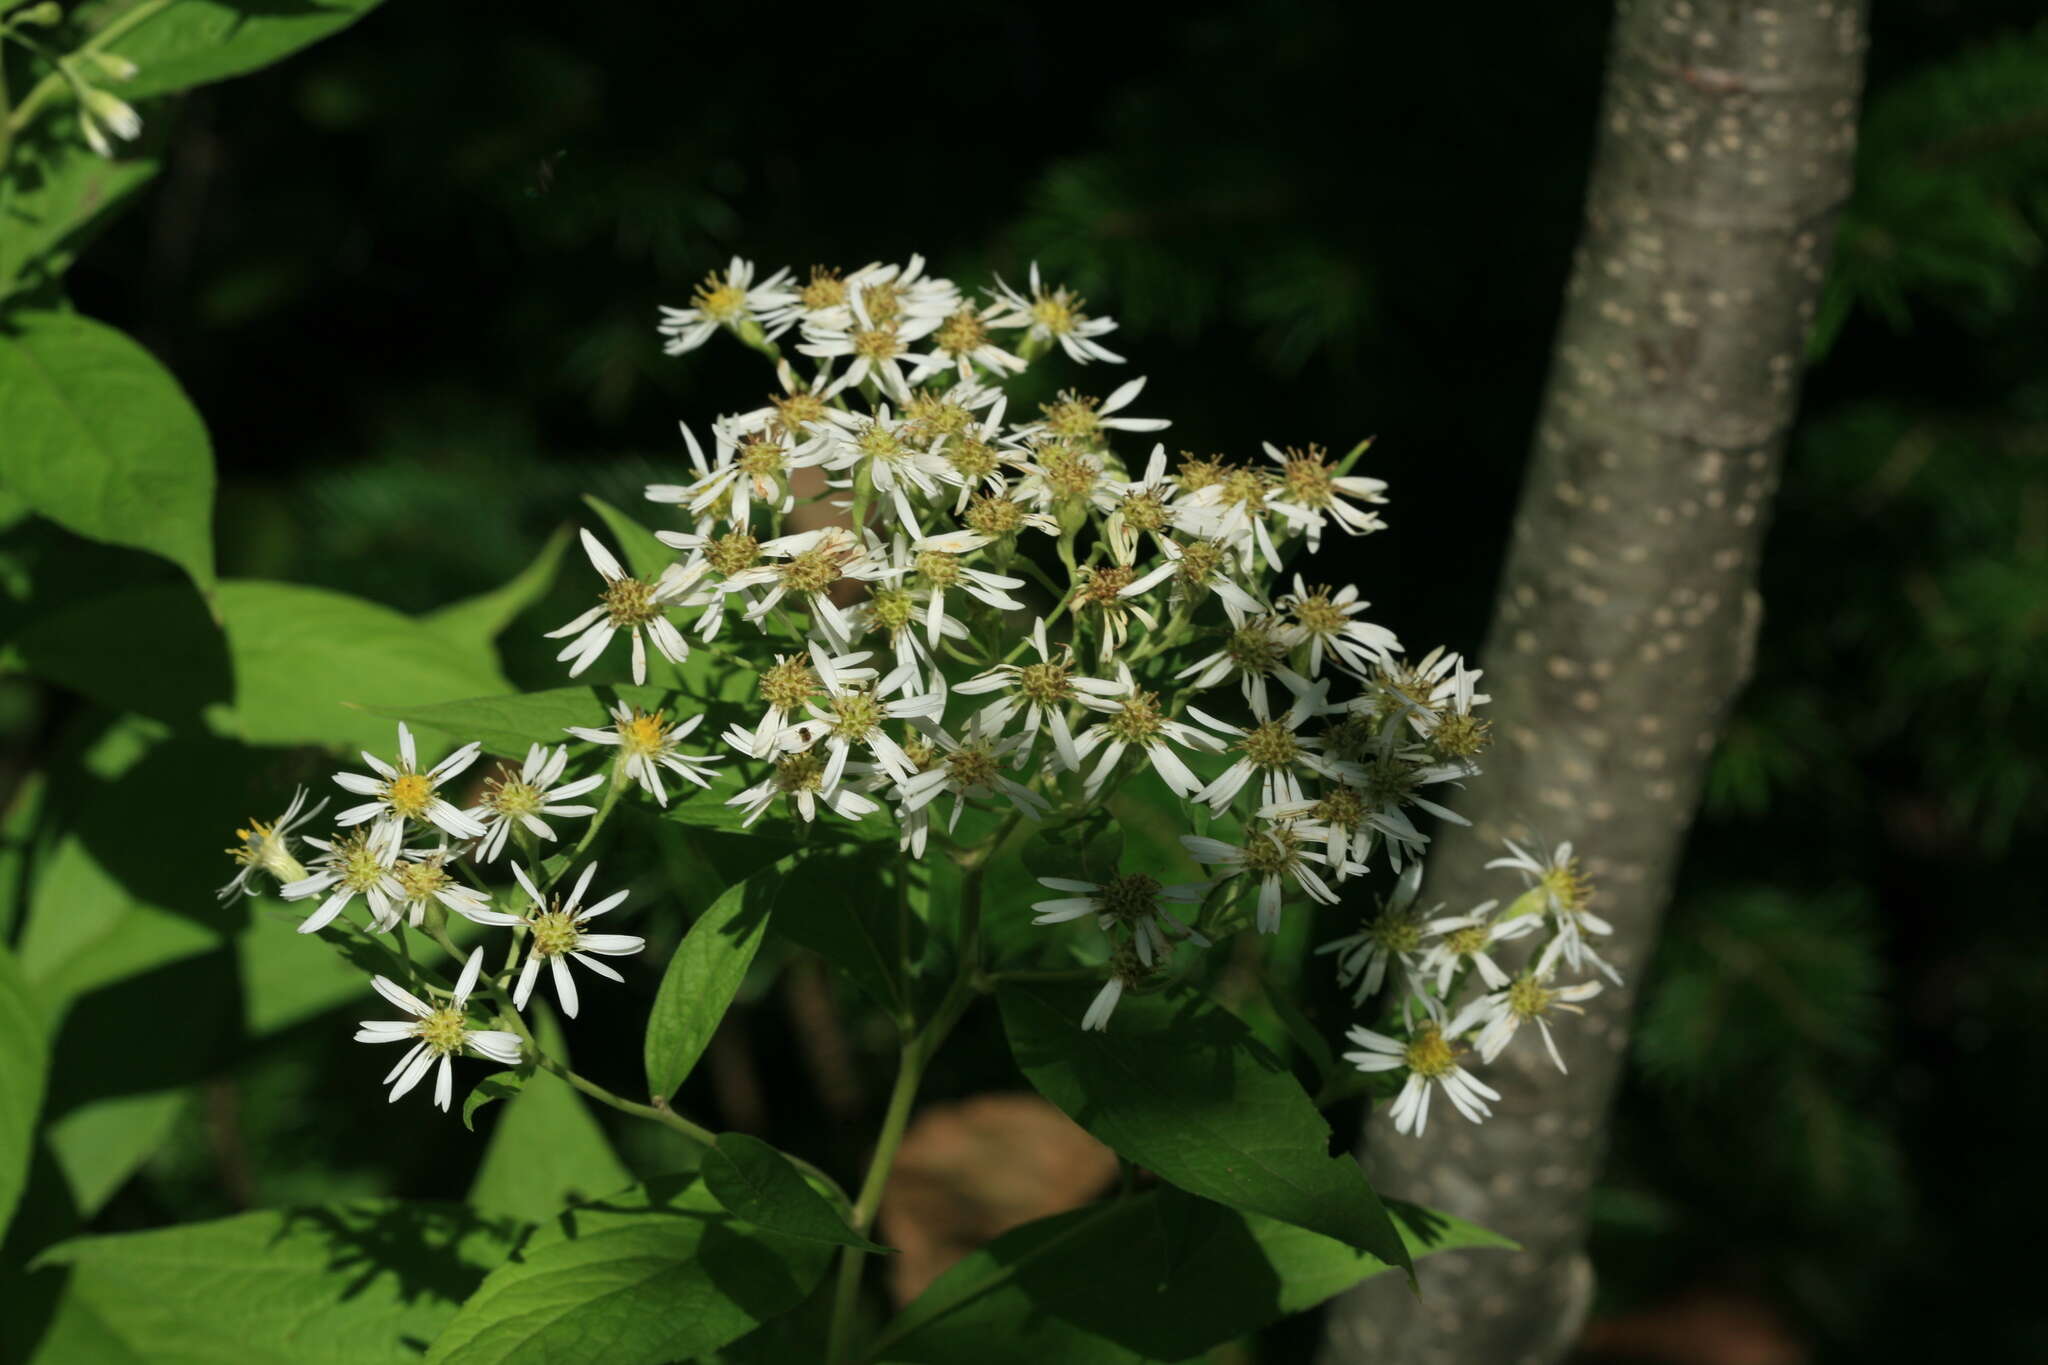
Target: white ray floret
x=632, y=605
x=518, y=800
x=267, y=847
x=647, y=747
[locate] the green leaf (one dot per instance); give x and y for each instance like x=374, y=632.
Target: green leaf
x=1084, y=851
x=100, y=1145
x=49, y=197
x=94, y=647
x=703, y=976
x=657, y=1274
x=195, y=42
x=344, y=1284
x=507, y=725
x=547, y=1150
x=499, y=1085
x=23, y=1061
x=634, y=543
x=755, y=1182
x=1183, y=1088
x=1159, y=1276
x=843, y=907
x=309, y=664
x=484, y=617
x=287, y=980
x=102, y=441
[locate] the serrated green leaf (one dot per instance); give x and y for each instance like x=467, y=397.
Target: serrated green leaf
x=703, y=976
x=23, y=1061
x=1159, y=1276
x=1181, y=1087
x=484, y=617
x=102, y=441
x=755, y=1182
x=345, y=1284
x=197, y=42
x=657, y=1274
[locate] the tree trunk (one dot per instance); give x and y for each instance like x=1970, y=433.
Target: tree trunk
x=1628, y=606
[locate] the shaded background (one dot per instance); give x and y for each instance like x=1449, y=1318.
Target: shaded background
x=410, y=279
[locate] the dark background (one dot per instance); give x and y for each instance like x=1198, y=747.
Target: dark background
x=410, y=279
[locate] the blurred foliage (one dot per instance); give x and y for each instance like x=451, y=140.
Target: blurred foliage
x=410, y=279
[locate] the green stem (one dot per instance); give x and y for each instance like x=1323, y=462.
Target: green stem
x=611, y=798
x=846, y=1292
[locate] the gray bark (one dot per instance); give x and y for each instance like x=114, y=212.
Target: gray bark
x=1628, y=607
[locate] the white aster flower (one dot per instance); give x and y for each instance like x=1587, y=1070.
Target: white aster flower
x=1392, y=937
x=1131, y=902
x=800, y=778
x=1565, y=895
x=1041, y=692
x=1255, y=649
x=884, y=453
x=647, y=745
x=627, y=604
x=423, y=879
x=1275, y=854
x=880, y=325
x=962, y=341
x=1468, y=939
x=787, y=685
x=1133, y=719
x=1197, y=568
x=1081, y=420
x=405, y=793
x=1432, y=1063
x=362, y=863
x=729, y=300
x=1330, y=626
x=1312, y=492
x=851, y=717
x=1274, y=751
x=267, y=847
x=745, y=466
x=1529, y=998
x=559, y=934
x=1055, y=315
x=937, y=564
x=969, y=768
x=520, y=798
x=436, y=1034
x=808, y=565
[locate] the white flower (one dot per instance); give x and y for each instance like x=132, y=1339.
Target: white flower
x=726, y=300
x=1041, y=691
x=1274, y=751
x=1469, y=938
x=437, y=1034
x=522, y=798
x=558, y=934
x=880, y=451
x=878, y=342
x=1196, y=568
x=808, y=565
x=962, y=341
x=1432, y=1063
x=1255, y=649
x=971, y=768
x=1055, y=316
x=800, y=776
x=423, y=878
x=1103, y=1005
x=851, y=718
x=1330, y=626
x=1274, y=854
x=1081, y=420
x=358, y=863
x=1565, y=893
x=789, y=683
x=627, y=604
x=646, y=745
x=1132, y=901
x=745, y=466
x=268, y=848
x=1528, y=998
x=1312, y=492
x=1133, y=719
x=100, y=113
x=405, y=793
x=937, y=564
x=1393, y=936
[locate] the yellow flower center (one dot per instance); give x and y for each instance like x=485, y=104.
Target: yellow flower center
x=1271, y=851
x=825, y=289
x=731, y=553
x=789, y=684
x=512, y=795
x=555, y=933
x=1270, y=744
x=1058, y=312
x=1045, y=684
x=1318, y=615
x=994, y=516
x=1527, y=998
x=1130, y=896
x=628, y=602
x=1137, y=720
x=719, y=299
x=1428, y=1054
x=642, y=735
x=961, y=334
x=443, y=1030
x=1072, y=417
x=409, y=794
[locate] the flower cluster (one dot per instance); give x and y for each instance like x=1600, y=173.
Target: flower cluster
x=952, y=586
